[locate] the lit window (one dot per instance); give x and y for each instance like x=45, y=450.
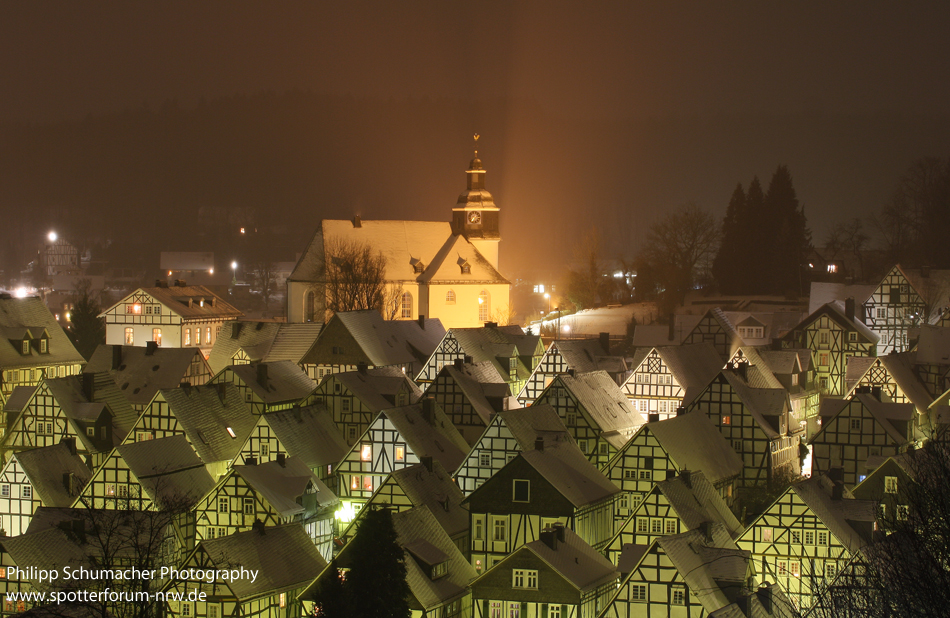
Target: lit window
x=767, y=535
x=157, y=335
x=355, y=483
x=283, y=599
x=110, y=490
x=187, y=336
x=793, y=568
x=405, y=305
x=129, y=336
x=823, y=359
x=208, y=336
x=450, y=297
x=366, y=452
x=400, y=453
x=198, y=336
x=520, y=490
x=224, y=504
x=231, y=432
x=726, y=420
x=832, y=268
x=890, y=484
x=484, y=306
x=781, y=568
x=367, y=483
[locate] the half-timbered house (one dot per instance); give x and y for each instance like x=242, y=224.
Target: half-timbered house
x=89, y=408
x=178, y=316
x=595, y=411
x=808, y=535
x=470, y=394
x=356, y=397
x=793, y=369
x=425, y=484
x=307, y=433
x=283, y=558
x=753, y=420
x=353, y=338
x=661, y=376
x=557, y=576
x=49, y=476
x=267, y=387
x=693, y=573
x=665, y=448
x=36, y=347
x=140, y=372
x=890, y=484
x=857, y=429
x=397, y=438
x=932, y=363
x=893, y=377
x=715, y=328
x=243, y=342
x=513, y=353
x=581, y=355
x=833, y=334
x=536, y=489
x=509, y=433
x=214, y=418
x=686, y=502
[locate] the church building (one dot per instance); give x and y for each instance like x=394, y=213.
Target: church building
x=444, y=270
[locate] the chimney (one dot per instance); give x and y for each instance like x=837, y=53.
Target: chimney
x=862, y=313
x=70, y=444
x=69, y=483
x=116, y=357
x=706, y=529
x=281, y=460
x=422, y=321
x=605, y=342
x=362, y=367
x=680, y=411
x=357, y=221
x=459, y=363
x=258, y=526
x=181, y=283
x=469, y=360
x=262, y=374
x=653, y=417
x=250, y=461
x=89, y=386
x=150, y=347
x=491, y=324
x=876, y=392
x=836, y=474
x=428, y=410
x=849, y=308
x=837, y=491
x=571, y=372
x=161, y=283
x=539, y=444
x=548, y=536
x=426, y=460
x=765, y=598
x=671, y=335
x=559, y=531
x=743, y=370
x=222, y=391
x=687, y=478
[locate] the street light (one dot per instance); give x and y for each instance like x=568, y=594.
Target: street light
x=548, y=297
x=52, y=236
x=233, y=273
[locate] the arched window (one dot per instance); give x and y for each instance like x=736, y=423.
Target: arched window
x=450, y=297
x=484, y=306
x=308, y=306
x=406, y=305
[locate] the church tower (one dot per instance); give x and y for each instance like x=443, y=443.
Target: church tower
x=475, y=215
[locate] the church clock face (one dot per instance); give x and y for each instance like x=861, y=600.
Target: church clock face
x=475, y=217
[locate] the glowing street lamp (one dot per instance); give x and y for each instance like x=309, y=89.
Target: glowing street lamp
x=548, y=297
x=52, y=236
x=233, y=273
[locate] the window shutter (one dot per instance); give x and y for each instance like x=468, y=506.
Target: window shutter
x=485, y=608
x=544, y=610
x=524, y=609
x=564, y=611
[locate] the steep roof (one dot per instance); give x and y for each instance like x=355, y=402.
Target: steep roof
x=491, y=343
x=434, y=436
x=480, y=383
x=766, y=405
x=837, y=514
x=697, y=501
x=694, y=443
x=585, y=355
x=205, y=415
x=282, y=484
x=422, y=538
x=571, y=474
x=46, y=467
x=575, y=560
x=30, y=318
x=445, y=266
x=71, y=397
x=284, y=381
x=309, y=433
x=263, y=342
x=933, y=345
x=168, y=469
x=823, y=293
x=191, y=302
x=142, y=371
x=694, y=365
x=436, y=490
x=377, y=388
x=283, y=556
x=537, y=421
x=884, y=412
x=603, y=400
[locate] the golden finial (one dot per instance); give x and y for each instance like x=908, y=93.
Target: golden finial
x=476, y=144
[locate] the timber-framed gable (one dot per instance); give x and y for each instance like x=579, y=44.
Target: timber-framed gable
x=893, y=307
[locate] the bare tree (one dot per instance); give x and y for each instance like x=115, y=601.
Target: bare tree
x=351, y=276
x=848, y=239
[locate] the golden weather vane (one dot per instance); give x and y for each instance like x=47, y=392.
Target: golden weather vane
x=476, y=143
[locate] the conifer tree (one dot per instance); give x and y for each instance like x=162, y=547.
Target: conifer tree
x=727, y=267
x=788, y=235
x=376, y=585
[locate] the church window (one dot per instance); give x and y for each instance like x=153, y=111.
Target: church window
x=484, y=306
x=450, y=297
x=309, y=306
x=406, y=305
x=187, y=336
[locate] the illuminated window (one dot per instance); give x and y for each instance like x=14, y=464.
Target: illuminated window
x=157, y=335
x=187, y=336
x=367, y=483
x=405, y=305
x=208, y=336
x=366, y=452
x=134, y=308
x=890, y=484
x=450, y=297
x=198, y=336
x=354, y=483
x=484, y=306
x=110, y=490
x=793, y=568
x=766, y=534
x=726, y=420
x=781, y=568
x=823, y=359
x=283, y=599
x=129, y=337
x=832, y=268
x=400, y=453
x=230, y=432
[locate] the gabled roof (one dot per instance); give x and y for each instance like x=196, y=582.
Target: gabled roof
x=785, y=362
x=418, y=532
x=283, y=484
x=933, y=345
x=883, y=412
x=697, y=501
x=20, y=317
x=603, y=400
x=775, y=324
x=377, y=388
x=481, y=384
x=436, y=490
x=168, y=469
x=283, y=556
x=836, y=311
x=567, y=469
x=900, y=366
x=693, y=443
x=491, y=343
x=434, y=436
x=283, y=381
x=46, y=466
x=143, y=371
x=537, y=421
x=19, y=398
x=446, y=264
x=585, y=355
x=766, y=405
x=205, y=415
x=70, y=396
x=822, y=293
x=192, y=302
x=693, y=365
x=309, y=433
x=836, y=514
x=263, y=342
x=50, y=546
x=574, y=560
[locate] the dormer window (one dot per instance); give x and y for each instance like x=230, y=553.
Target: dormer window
x=439, y=570
x=25, y=347
x=44, y=346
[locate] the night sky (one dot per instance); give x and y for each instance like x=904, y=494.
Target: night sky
x=591, y=113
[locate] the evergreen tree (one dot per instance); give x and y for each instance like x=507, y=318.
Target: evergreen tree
x=376, y=585
x=727, y=267
x=87, y=331
x=756, y=235
x=787, y=234
x=332, y=595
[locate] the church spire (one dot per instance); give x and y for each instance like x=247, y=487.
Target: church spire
x=476, y=173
